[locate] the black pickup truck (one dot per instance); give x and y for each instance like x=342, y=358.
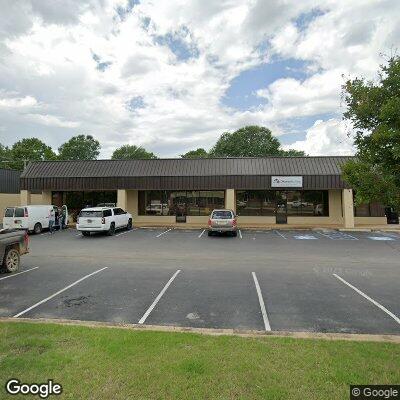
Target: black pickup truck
x=13, y=243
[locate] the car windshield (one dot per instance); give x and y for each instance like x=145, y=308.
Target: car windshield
x=19, y=212
x=92, y=214
x=9, y=212
x=221, y=215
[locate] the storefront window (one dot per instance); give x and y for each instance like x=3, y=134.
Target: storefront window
x=265, y=202
x=180, y=202
x=75, y=201
x=255, y=202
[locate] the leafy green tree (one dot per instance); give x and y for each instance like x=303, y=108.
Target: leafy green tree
x=374, y=110
x=5, y=156
x=198, y=153
x=250, y=141
x=129, y=152
x=80, y=147
x=293, y=153
x=29, y=149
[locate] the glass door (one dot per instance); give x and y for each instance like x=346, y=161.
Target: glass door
x=281, y=208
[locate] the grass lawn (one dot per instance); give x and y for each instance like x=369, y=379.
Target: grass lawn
x=103, y=363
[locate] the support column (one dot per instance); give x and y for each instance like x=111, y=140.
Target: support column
x=230, y=199
x=122, y=198
x=25, y=197
x=46, y=197
x=348, y=208
x=133, y=204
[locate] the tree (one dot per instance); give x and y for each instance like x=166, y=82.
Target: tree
x=293, y=153
x=250, y=141
x=29, y=149
x=129, y=152
x=80, y=147
x=374, y=110
x=5, y=156
x=198, y=153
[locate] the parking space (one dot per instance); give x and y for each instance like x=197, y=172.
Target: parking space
x=323, y=281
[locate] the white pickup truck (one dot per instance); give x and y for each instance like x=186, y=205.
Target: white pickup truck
x=103, y=219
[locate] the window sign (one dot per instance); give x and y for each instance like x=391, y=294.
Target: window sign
x=287, y=181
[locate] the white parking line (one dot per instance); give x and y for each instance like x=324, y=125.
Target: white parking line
x=202, y=233
x=280, y=234
x=262, y=305
x=397, y=319
x=157, y=299
x=240, y=234
x=125, y=232
x=57, y=293
x=18, y=273
x=163, y=233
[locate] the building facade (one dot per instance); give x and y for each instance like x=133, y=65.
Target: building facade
x=298, y=191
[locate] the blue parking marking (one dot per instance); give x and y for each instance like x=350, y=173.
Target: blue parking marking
x=305, y=237
x=381, y=238
x=337, y=235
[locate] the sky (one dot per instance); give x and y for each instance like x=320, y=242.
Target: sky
x=172, y=76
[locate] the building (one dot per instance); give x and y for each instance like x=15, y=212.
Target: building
x=298, y=191
x=10, y=190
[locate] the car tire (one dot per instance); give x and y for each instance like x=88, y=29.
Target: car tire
x=234, y=234
x=129, y=226
x=37, y=229
x=11, y=260
x=209, y=233
x=111, y=231
x=85, y=233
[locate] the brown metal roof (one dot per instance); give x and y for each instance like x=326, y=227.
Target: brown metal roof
x=211, y=173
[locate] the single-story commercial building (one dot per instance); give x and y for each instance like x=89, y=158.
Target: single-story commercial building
x=298, y=191
x=10, y=190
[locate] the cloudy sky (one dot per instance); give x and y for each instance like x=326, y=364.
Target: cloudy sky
x=173, y=75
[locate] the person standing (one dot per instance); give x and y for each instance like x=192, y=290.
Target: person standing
x=52, y=217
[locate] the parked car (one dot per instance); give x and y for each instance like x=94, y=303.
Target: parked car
x=13, y=243
x=222, y=221
x=103, y=219
x=33, y=218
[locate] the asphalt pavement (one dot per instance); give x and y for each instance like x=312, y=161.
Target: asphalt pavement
x=319, y=281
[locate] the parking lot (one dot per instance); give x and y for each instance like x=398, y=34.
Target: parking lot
x=319, y=281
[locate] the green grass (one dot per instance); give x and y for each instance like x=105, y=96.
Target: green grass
x=102, y=363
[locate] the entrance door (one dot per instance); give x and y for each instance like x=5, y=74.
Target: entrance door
x=281, y=208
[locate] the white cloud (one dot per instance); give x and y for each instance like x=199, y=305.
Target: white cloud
x=288, y=98
x=51, y=120
x=326, y=138
x=52, y=87
x=17, y=102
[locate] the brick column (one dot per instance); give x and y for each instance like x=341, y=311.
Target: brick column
x=230, y=199
x=25, y=197
x=348, y=208
x=122, y=198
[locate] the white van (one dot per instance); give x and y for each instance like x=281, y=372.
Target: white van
x=32, y=218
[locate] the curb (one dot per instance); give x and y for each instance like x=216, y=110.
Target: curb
x=213, y=332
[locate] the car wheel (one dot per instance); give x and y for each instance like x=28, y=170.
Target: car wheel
x=209, y=233
x=11, y=260
x=85, y=233
x=234, y=234
x=129, y=226
x=37, y=228
x=111, y=231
